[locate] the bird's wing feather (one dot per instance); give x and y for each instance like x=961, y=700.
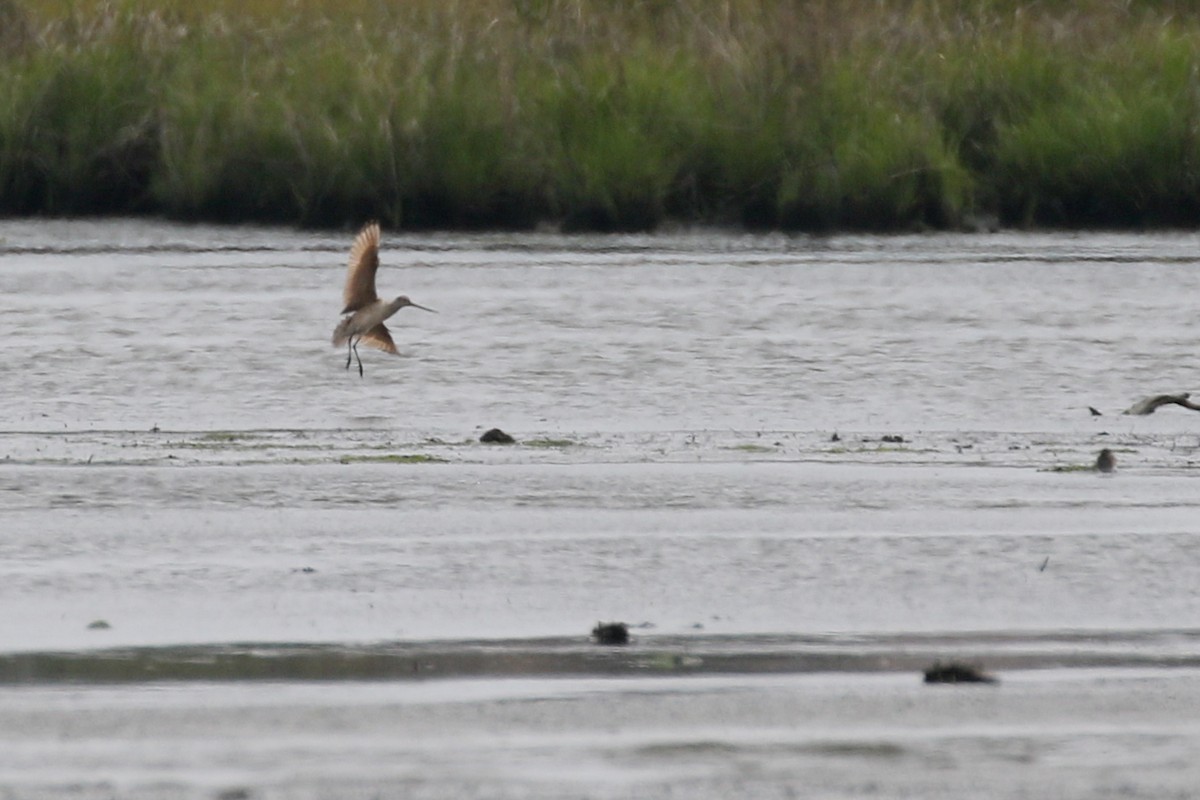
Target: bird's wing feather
x=342, y=332
x=379, y=337
x=360, y=276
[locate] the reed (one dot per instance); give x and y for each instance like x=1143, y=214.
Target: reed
x=1117, y=152
x=596, y=114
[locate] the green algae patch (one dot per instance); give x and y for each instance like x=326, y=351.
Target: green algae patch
x=394, y=458
x=226, y=436
x=550, y=443
x=1070, y=468
x=235, y=440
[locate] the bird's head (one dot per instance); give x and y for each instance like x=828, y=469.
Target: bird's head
x=402, y=301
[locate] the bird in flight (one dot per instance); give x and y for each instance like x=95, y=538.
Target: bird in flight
x=364, y=312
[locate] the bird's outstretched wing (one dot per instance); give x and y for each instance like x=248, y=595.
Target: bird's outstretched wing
x=360, y=276
x=379, y=337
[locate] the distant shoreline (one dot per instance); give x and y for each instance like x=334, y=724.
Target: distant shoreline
x=590, y=116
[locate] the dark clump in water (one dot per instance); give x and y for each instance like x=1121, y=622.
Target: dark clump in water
x=1148, y=405
x=956, y=672
x=611, y=633
x=1106, y=461
x=496, y=436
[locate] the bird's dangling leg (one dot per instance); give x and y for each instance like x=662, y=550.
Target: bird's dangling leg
x=355, y=348
x=349, y=344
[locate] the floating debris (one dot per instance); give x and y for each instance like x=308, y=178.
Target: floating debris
x=496, y=436
x=892, y=439
x=1149, y=404
x=835, y=437
x=956, y=672
x=1094, y=412
x=611, y=633
x=99, y=625
x=1106, y=461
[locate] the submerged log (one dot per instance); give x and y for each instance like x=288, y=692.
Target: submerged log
x=1147, y=405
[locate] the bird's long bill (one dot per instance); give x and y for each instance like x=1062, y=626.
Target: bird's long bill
x=423, y=308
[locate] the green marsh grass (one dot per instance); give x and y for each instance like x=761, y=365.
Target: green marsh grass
x=591, y=114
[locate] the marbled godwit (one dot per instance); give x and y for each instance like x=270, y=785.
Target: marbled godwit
x=364, y=311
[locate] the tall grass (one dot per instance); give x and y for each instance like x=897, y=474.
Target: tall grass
x=599, y=114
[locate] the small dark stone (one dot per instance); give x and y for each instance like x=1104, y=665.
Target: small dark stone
x=611, y=633
x=1106, y=461
x=956, y=672
x=496, y=436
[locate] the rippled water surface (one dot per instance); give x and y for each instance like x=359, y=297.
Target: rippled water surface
x=190, y=476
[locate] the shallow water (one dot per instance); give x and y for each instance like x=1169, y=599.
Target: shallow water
x=1101, y=734
x=184, y=457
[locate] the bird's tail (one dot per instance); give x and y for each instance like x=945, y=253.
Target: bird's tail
x=341, y=333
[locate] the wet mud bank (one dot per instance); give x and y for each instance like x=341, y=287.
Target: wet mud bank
x=645, y=656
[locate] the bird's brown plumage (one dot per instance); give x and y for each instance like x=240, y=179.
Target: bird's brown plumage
x=364, y=313
x=360, y=275
x=379, y=337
